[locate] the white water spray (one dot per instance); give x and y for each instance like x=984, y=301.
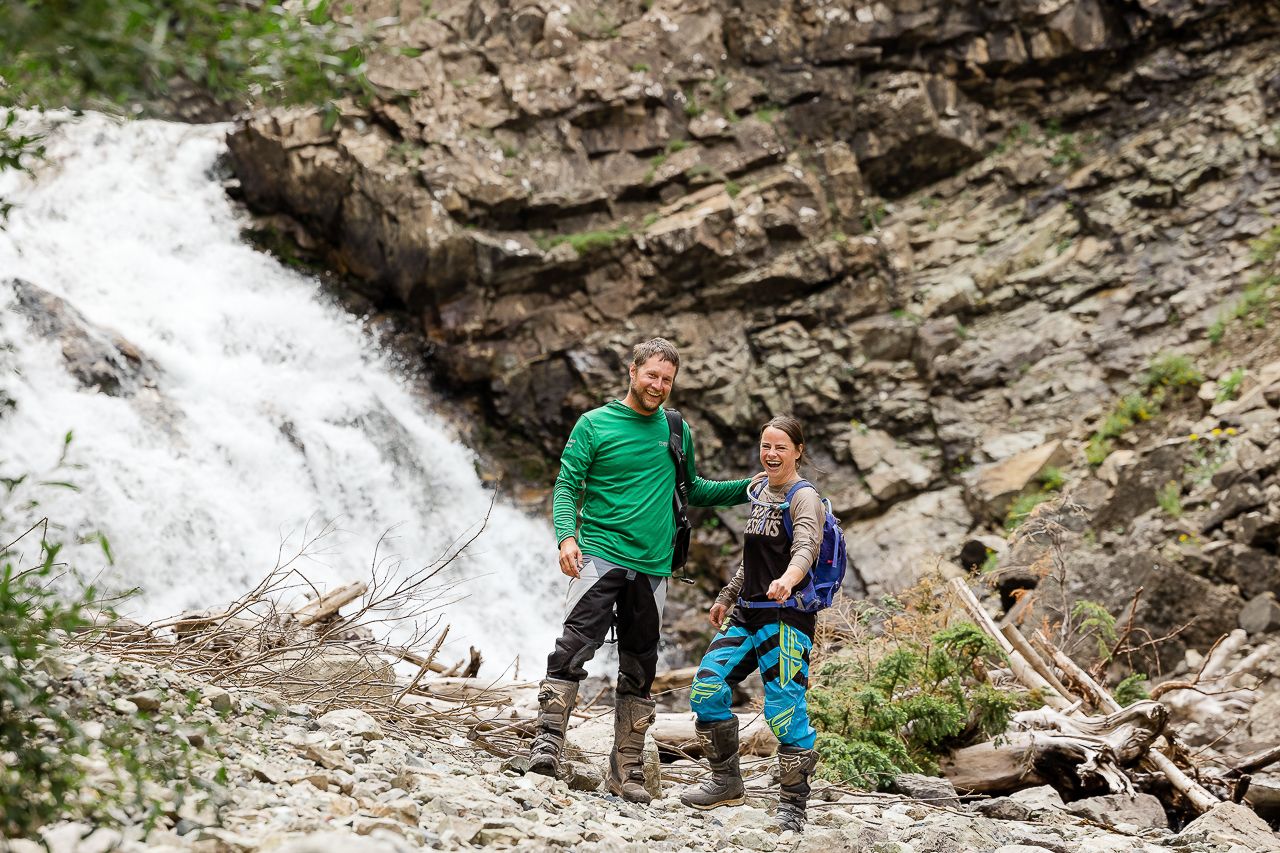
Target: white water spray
x=285, y=412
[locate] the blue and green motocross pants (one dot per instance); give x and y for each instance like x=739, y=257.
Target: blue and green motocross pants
x=781, y=653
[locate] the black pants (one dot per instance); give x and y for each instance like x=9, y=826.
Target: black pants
x=608, y=595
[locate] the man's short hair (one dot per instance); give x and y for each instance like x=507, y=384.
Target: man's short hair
x=660, y=347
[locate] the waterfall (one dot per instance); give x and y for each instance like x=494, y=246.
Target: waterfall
x=265, y=411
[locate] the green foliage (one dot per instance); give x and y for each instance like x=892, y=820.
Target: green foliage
x=590, y=241
x=1131, y=690
x=1229, y=386
x=657, y=160
x=651, y=218
x=1068, y=151
x=1256, y=299
x=1051, y=479
x=107, y=53
x=640, y=67
x=1021, y=508
x=901, y=711
x=873, y=218
x=1167, y=371
x=991, y=563
x=1094, y=620
x=16, y=152
x=676, y=145
x=1174, y=369
x=42, y=737
x=732, y=189
x=1169, y=497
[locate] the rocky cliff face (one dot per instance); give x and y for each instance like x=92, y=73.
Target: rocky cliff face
x=942, y=234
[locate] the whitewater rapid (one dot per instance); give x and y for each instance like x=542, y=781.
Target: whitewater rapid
x=287, y=417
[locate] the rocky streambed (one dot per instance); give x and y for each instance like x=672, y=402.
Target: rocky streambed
x=275, y=776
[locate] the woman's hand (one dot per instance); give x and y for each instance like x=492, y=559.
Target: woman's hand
x=780, y=590
x=718, y=612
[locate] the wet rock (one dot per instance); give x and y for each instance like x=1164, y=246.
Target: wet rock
x=1261, y=615
x=1142, y=810
x=930, y=789
x=96, y=357
x=353, y=722
x=1227, y=824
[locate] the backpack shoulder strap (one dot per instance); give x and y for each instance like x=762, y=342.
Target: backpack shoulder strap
x=786, y=507
x=675, y=444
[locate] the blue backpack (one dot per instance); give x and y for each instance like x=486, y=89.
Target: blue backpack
x=826, y=574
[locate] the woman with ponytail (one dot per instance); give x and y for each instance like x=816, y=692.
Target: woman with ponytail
x=762, y=633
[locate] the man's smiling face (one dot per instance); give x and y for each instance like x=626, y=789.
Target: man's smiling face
x=651, y=384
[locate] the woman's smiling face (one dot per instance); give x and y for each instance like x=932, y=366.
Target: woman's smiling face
x=779, y=455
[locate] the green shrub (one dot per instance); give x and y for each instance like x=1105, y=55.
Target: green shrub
x=1021, y=508
x=590, y=241
x=1051, y=479
x=1131, y=690
x=45, y=748
x=1229, y=386
x=732, y=189
x=902, y=711
x=108, y=53
x=1169, y=497
x=1172, y=369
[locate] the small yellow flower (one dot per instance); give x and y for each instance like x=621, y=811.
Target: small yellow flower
x=1194, y=437
x=1230, y=431
x=1217, y=432
x=1182, y=538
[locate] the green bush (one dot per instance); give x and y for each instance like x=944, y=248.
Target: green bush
x=42, y=736
x=902, y=711
x=1172, y=369
x=108, y=53
x=1229, y=387
x=1052, y=479
x=1170, y=498
x=590, y=241
x=1166, y=371
x=1021, y=508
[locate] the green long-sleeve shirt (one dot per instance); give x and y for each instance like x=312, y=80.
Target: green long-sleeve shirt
x=617, y=460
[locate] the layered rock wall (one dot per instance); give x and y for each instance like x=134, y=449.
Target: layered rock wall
x=941, y=234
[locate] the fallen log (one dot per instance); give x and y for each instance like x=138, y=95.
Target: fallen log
x=329, y=603
x=1020, y=666
x=674, y=679
x=1199, y=799
x=1049, y=747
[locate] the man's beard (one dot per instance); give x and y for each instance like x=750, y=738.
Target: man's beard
x=643, y=399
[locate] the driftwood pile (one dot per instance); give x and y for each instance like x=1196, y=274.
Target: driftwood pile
x=1127, y=748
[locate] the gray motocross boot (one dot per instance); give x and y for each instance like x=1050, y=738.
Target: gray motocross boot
x=632, y=717
x=556, y=699
x=795, y=766
x=719, y=741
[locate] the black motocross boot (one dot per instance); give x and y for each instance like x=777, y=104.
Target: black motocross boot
x=795, y=766
x=633, y=716
x=556, y=699
x=719, y=742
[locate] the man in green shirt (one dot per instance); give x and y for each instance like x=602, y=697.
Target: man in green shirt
x=615, y=523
